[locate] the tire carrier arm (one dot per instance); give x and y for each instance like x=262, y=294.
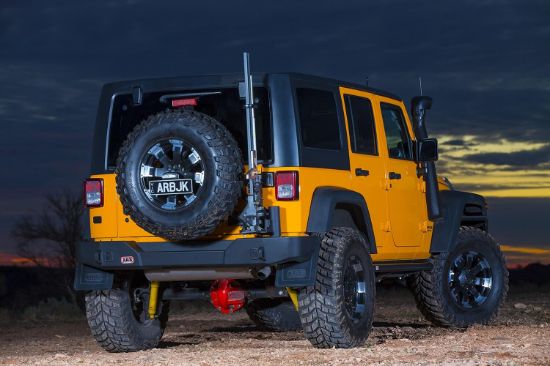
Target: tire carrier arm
x=254, y=218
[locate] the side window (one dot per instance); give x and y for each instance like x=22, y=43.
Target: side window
x=361, y=125
x=397, y=136
x=318, y=119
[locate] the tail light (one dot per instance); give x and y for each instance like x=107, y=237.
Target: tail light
x=185, y=102
x=286, y=186
x=93, y=191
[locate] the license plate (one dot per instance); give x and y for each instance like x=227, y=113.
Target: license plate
x=171, y=187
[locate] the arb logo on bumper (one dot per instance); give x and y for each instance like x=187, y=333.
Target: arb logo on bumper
x=129, y=259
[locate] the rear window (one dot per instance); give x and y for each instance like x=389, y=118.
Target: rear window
x=226, y=107
x=318, y=119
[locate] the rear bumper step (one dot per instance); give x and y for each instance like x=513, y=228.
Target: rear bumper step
x=97, y=260
x=238, y=252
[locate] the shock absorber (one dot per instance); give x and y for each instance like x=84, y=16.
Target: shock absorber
x=153, y=296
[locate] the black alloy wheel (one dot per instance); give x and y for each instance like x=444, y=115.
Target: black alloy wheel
x=470, y=279
x=355, y=289
x=169, y=160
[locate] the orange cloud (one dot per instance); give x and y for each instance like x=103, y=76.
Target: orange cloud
x=494, y=179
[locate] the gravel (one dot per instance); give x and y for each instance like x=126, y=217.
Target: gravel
x=520, y=336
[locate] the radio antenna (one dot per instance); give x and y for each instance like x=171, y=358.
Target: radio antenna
x=367, y=81
x=420, y=84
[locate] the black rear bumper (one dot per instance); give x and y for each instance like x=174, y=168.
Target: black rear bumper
x=97, y=261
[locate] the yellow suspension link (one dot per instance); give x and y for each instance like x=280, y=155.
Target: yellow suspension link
x=153, y=295
x=293, y=296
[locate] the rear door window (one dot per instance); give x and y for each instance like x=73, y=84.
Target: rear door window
x=318, y=119
x=361, y=125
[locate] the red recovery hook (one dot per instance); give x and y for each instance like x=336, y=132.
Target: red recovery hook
x=227, y=297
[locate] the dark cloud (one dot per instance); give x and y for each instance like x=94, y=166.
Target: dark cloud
x=519, y=159
x=455, y=143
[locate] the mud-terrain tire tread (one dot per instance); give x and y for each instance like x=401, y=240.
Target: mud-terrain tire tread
x=274, y=315
x=110, y=317
x=229, y=168
x=319, y=306
x=428, y=292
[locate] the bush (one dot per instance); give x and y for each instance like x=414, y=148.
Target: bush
x=52, y=309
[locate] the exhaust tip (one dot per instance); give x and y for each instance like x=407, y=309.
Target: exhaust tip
x=262, y=273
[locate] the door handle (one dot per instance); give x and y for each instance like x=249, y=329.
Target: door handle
x=394, y=175
x=361, y=172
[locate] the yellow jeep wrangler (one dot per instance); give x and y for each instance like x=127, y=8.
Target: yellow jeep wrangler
x=285, y=194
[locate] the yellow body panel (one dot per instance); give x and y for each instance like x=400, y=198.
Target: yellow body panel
x=294, y=214
x=407, y=199
x=397, y=208
x=373, y=186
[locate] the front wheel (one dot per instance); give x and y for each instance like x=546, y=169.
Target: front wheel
x=119, y=320
x=466, y=286
x=338, y=310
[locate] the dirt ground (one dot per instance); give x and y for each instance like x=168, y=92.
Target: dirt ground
x=521, y=336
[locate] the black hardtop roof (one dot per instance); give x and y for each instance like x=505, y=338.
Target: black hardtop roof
x=224, y=80
x=346, y=84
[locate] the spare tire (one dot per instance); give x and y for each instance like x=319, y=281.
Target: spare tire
x=179, y=174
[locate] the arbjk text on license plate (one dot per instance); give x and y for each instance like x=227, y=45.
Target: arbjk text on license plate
x=171, y=186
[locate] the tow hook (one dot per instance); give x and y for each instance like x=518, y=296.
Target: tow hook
x=226, y=296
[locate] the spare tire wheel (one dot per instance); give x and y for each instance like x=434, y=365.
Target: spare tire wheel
x=179, y=174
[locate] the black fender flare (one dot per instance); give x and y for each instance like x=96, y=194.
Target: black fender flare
x=453, y=204
x=323, y=204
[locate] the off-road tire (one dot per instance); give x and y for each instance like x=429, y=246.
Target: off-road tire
x=274, y=315
x=432, y=292
x=223, y=180
x=114, y=326
x=323, y=314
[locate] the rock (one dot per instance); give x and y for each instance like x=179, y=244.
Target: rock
x=537, y=308
x=520, y=306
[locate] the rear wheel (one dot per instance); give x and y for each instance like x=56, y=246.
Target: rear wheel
x=467, y=285
x=338, y=310
x=179, y=174
x=274, y=315
x=119, y=321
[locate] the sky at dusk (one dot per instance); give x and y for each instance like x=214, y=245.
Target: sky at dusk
x=485, y=63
